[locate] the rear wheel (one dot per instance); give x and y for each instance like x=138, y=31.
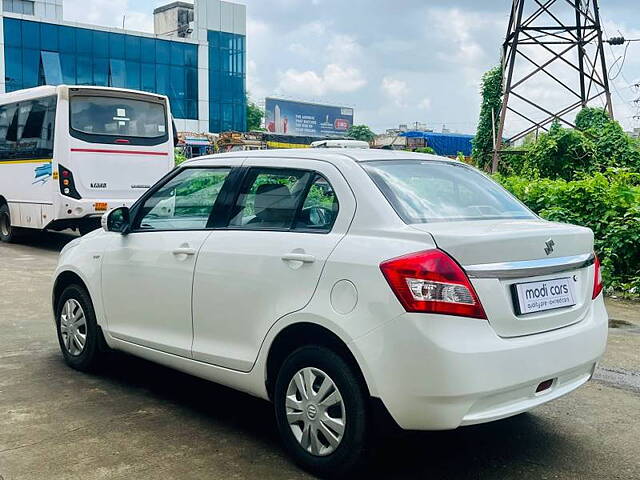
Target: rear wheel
x=8, y=233
x=322, y=412
x=78, y=333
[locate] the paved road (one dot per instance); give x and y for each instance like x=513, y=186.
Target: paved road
x=142, y=421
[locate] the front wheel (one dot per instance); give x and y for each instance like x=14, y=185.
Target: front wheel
x=8, y=233
x=322, y=412
x=78, y=333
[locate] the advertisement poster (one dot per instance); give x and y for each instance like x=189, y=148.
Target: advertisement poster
x=297, y=118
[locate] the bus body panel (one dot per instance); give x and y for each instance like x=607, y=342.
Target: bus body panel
x=105, y=175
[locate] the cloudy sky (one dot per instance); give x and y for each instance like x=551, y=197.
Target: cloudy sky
x=394, y=61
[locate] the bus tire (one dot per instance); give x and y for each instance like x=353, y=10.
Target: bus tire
x=8, y=233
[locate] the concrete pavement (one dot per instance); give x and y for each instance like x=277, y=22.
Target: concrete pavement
x=137, y=420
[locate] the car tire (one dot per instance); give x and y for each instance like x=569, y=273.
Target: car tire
x=79, y=336
x=8, y=233
x=313, y=451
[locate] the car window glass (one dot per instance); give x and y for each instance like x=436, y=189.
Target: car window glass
x=184, y=202
x=320, y=207
x=434, y=191
x=269, y=199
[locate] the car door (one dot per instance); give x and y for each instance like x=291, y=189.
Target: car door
x=267, y=262
x=147, y=274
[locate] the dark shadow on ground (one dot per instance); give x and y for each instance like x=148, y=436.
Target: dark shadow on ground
x=496, y=450
x=46, y=240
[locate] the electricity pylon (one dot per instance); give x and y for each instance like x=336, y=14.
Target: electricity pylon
x=553, y=64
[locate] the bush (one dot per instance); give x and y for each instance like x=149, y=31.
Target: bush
x=608, y=203
x=561, y=153
x=180, y=157
x=598, y=143
x=425, y=150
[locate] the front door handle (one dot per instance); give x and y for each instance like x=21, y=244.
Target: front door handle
x=184, y=251
x=299, y=257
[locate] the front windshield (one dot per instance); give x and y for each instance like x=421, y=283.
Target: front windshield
x=122, y=117
x=433, y=191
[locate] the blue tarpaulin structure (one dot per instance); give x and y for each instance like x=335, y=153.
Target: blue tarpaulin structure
x=444, y=143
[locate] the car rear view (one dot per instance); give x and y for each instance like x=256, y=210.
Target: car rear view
x=504, y=314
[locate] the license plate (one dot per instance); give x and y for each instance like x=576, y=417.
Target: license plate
x=546, y=295
x=101, y=206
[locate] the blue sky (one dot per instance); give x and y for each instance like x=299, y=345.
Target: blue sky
x=398, y=61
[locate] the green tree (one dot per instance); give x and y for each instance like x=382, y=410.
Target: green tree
x=254, y=116
x=361, y=132
x=491, y=105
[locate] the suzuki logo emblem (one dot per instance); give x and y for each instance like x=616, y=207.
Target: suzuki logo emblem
x=549, y=246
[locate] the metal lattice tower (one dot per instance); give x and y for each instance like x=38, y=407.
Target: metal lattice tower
x=553, y=65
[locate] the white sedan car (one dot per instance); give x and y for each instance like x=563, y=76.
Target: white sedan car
x=339, y=284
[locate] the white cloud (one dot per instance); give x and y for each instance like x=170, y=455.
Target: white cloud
x=334, y=78
x=425, y=103
x=343, y=49
x=396, y=90
x=108, y=13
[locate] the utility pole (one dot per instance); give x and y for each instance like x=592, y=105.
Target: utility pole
x=551, y=46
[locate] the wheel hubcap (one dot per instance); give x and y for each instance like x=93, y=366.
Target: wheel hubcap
x=73, y=327
x=315, y=411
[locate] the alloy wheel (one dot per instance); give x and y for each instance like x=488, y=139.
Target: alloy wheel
x=73, y=327
x=315, y=411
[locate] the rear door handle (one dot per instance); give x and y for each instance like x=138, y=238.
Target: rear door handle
x=184, y=251
x=299, y=257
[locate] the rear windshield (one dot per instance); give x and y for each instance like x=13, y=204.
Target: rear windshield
x=433, y=191
x=122, y=117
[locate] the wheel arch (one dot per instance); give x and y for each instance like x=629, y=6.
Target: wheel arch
x=62, y=281
x=300, y=334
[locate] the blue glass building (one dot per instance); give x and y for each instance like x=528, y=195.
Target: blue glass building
x=202, y=71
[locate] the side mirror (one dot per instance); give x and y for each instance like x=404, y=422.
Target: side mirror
x=116, y=220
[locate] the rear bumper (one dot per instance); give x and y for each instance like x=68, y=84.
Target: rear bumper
x=435, y=372
x=70, y=209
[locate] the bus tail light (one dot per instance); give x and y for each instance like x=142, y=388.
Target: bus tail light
x=67, y=186
x=432, y=282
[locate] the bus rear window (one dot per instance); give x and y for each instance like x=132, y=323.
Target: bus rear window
x=121, y=117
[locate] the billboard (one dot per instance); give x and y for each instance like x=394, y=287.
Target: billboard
x=297, y=118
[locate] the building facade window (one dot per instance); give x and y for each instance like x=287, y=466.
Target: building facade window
x=24, y=7
x=227, y=82
x=41, y=53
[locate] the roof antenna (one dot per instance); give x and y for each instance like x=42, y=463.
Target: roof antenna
x=123, y=17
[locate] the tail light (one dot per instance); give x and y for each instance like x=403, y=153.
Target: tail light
x=432, y=282
x=597, y=279
x=67, y=185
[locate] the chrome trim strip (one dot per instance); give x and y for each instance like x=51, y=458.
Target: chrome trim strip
x=530, y=268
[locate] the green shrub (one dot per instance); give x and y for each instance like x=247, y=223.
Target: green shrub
x=559, y=154
x=179, y=156
x=608, y=203
x=598, y=143
x=425, y=150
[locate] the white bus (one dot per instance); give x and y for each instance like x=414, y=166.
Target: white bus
x=69, y=153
